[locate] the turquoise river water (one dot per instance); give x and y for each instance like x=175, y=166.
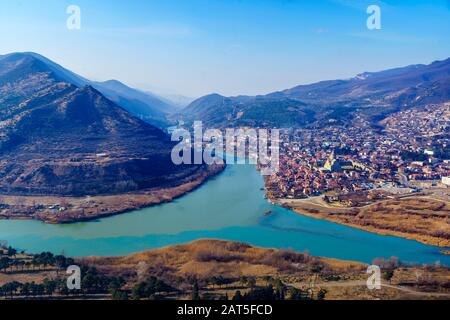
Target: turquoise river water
x=230, y=206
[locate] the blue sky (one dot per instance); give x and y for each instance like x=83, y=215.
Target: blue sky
x=195, y=47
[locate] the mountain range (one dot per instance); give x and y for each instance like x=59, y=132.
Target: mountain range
x=143, y=104
x=370, y=94
x=63, y=134
x=60, y=135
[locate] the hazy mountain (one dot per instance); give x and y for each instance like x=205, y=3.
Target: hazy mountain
x=145, y=105
x=374, y=94
x=375, y=84
x=58, y=138
x=177, y=101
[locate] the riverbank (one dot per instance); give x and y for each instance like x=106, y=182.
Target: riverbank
x=216, y=269
x=422, y=219
x=59, y=210
x=230, y=206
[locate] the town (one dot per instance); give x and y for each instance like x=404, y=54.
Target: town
x=409, y=153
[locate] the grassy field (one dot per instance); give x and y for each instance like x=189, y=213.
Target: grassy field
x=205, y=260
x=420, y=218
x=213, y=269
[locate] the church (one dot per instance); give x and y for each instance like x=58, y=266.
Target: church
x=336, y=165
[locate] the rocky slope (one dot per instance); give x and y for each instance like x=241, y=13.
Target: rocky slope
x=60, y=139
x=17, y=66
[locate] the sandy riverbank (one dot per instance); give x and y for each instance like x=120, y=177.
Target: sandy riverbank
x=421, y=218
x=55, y=210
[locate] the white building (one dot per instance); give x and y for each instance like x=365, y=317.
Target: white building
x=446, y=181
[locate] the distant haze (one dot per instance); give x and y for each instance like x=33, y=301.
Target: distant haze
x=192, y=48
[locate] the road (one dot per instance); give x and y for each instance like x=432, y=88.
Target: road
x=360, y=283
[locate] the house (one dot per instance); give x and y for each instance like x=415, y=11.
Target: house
x=446, y=181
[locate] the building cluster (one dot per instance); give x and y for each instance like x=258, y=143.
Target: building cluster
x=409, y=145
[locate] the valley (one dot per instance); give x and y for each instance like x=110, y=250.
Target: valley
x=352, y=186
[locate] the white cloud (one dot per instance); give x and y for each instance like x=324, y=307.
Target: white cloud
x=321, y=30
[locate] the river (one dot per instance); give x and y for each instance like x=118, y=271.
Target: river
x=230, y=206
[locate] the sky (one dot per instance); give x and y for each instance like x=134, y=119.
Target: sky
x=230, y=47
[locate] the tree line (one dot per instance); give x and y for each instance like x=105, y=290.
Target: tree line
x=92, y=282
x=10, y=262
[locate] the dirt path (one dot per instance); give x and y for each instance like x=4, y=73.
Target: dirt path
x=359, y=283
